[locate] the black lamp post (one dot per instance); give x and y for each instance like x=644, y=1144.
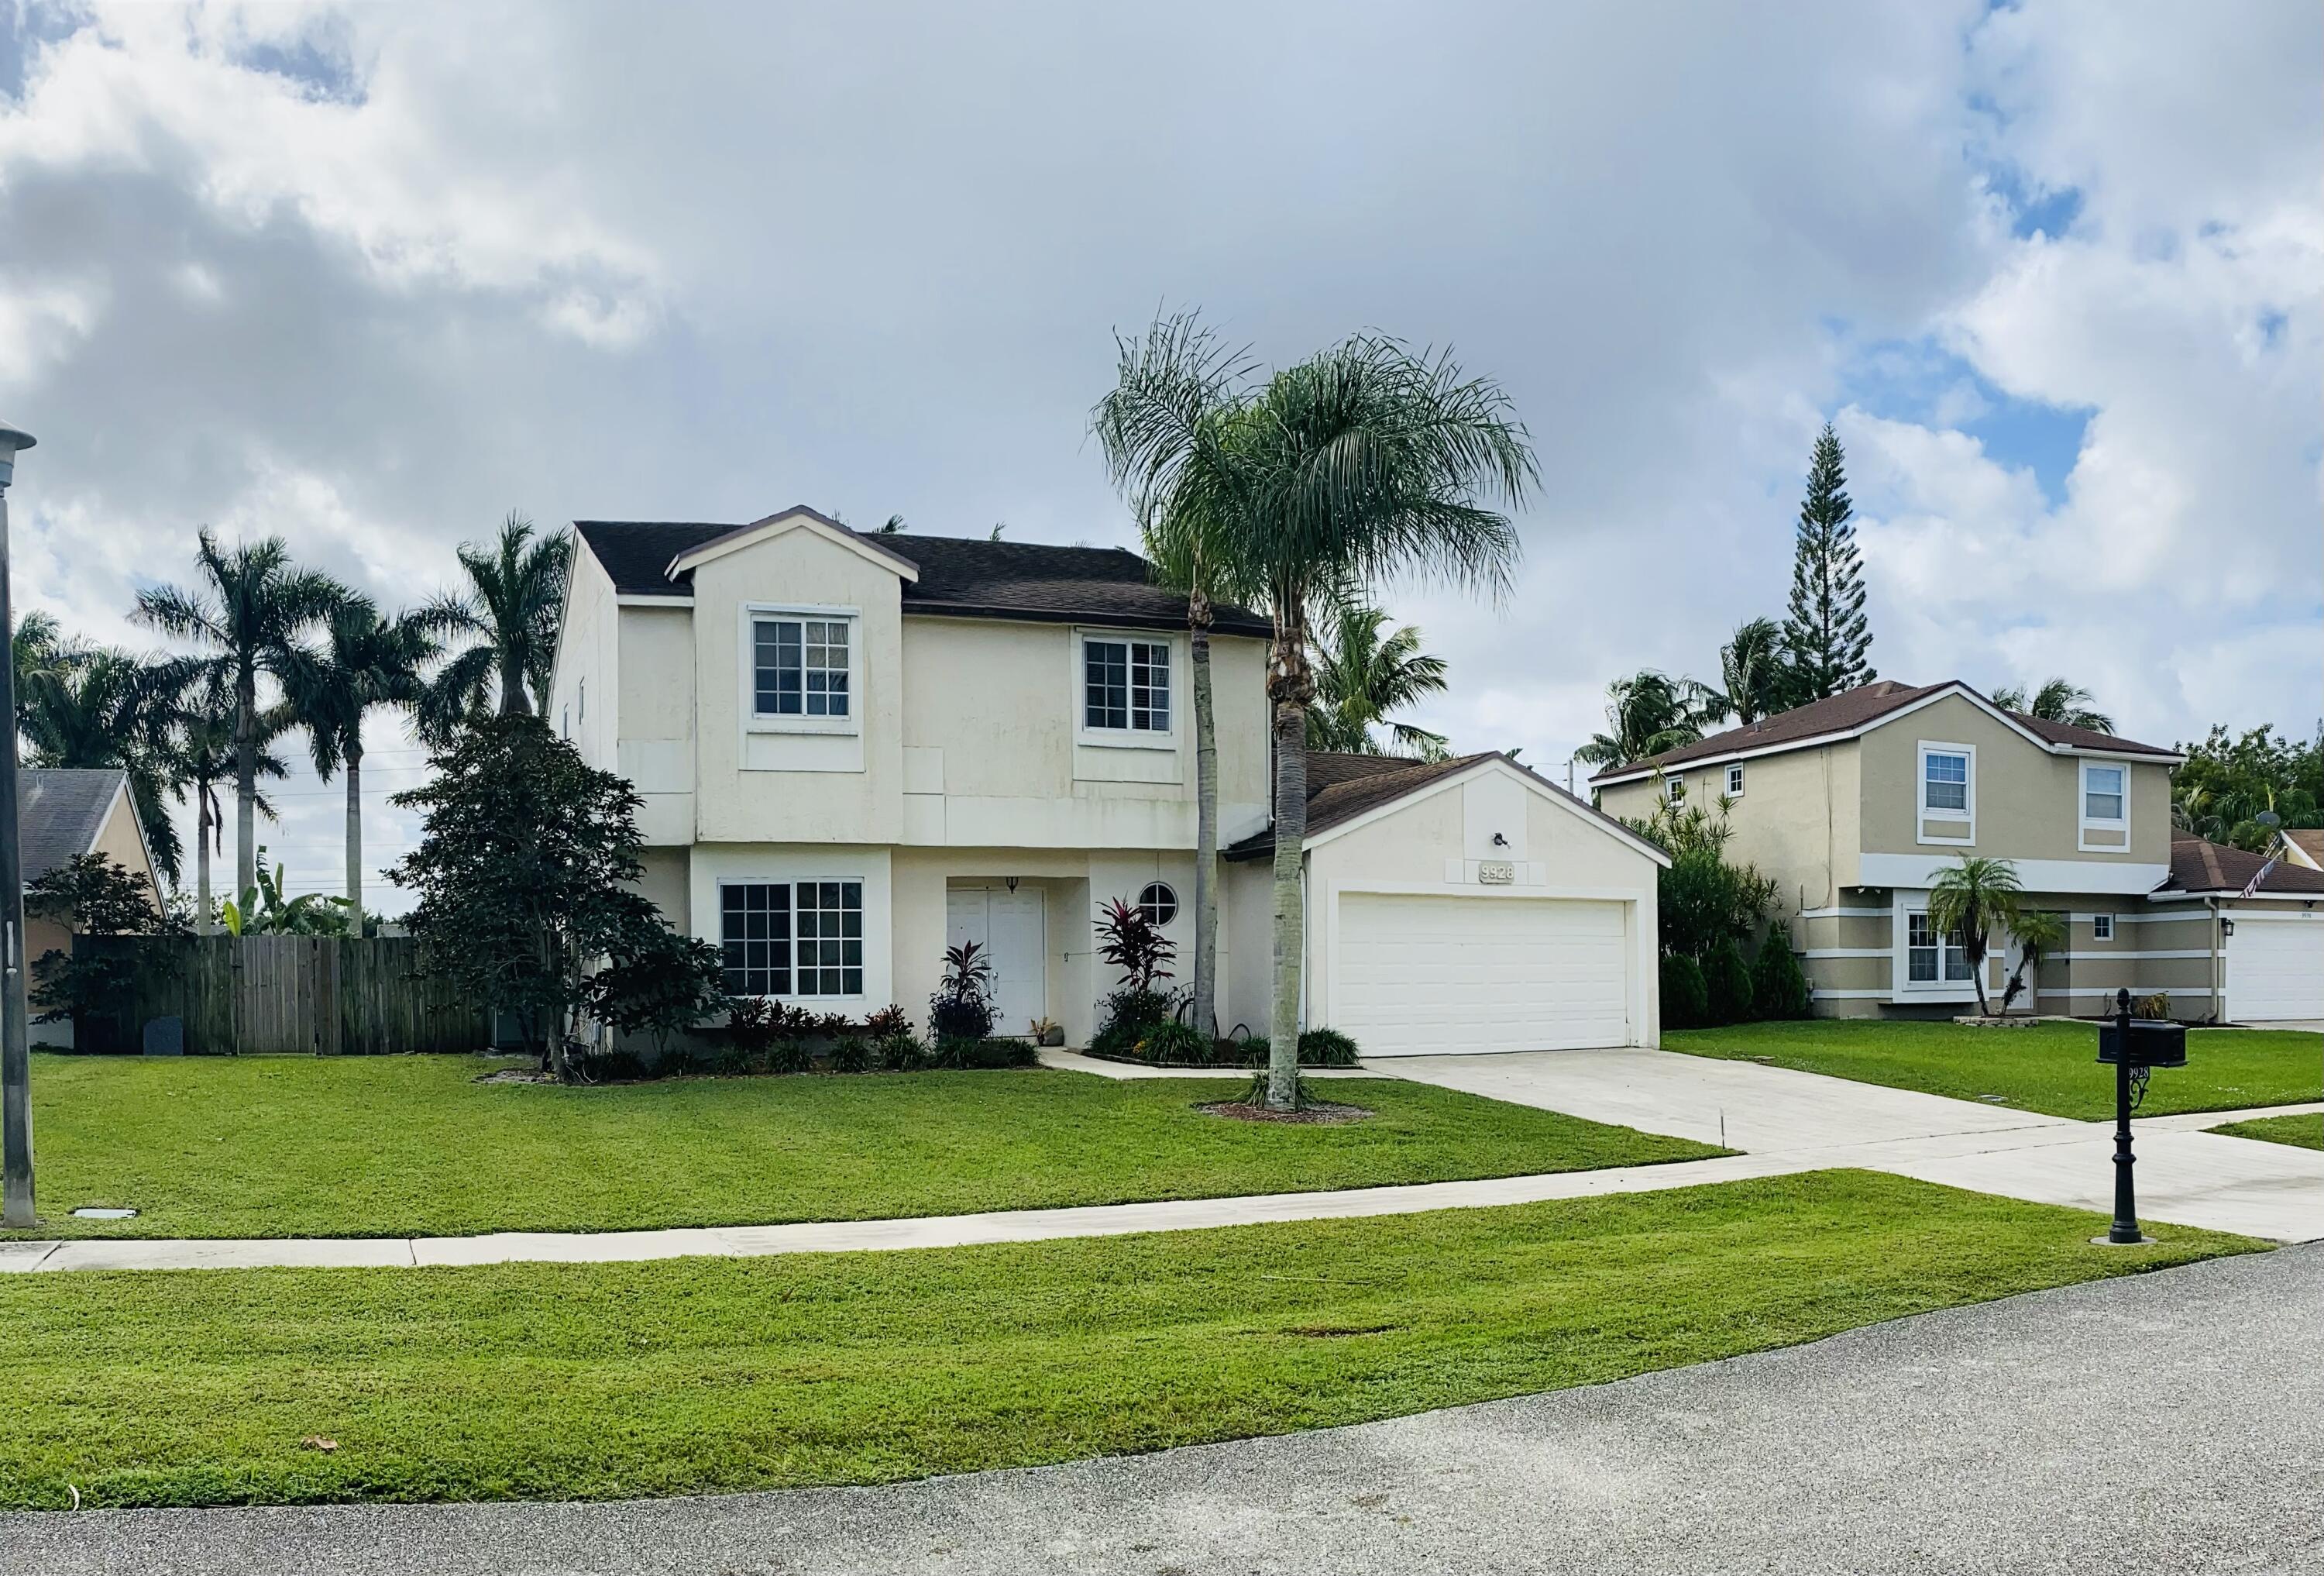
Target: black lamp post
x=2136, y=1048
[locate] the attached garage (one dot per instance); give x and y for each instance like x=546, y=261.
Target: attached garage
x=1460, y=907
x=2274, y=968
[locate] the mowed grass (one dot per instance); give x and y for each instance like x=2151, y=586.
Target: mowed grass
x=689, y=1376
x=2305, y=1131
x=2051, y=1068
x=396, y=1146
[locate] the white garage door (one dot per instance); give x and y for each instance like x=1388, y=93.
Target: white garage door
x=1430, y=976
x=2275, y=970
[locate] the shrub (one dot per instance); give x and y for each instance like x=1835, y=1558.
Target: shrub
x=1173, y=1044
x=901, y=1052
x=1126, y=1016
x=1727, y=983
x=2156, y=1007
x=887, y=1021
x=1327, y=1047
x=1250, y=1051
x=789, y=1054
x=961, y=1007
x=665, y=984
x=853, y=1053
x=979, y=1053
x=1778, y=989
x=1686, y=1000
x=753, y=1025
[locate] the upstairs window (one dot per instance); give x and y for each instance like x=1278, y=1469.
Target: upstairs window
x=2102, y=793
x=1126, y=686
x=1675, y=788
x=1944, y=782
x=1735, y=782
x=799, y=667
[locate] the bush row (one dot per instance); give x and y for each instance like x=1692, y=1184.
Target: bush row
x=1722, y=989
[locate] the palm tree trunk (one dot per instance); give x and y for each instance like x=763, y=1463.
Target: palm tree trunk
x=514, y=700
x=355, y=830
x=1206, y=822
x=246, y=781
x=205, y=828
x=1290, y=688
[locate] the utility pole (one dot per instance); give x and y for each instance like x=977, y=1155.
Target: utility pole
x=15, y=1047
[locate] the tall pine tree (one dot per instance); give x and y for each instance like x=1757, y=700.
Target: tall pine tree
x=1824, y=630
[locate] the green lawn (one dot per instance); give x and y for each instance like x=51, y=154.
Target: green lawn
x=2305, y=1131
x=390, y=1145
x=690, y=1376
x=2049, y=1067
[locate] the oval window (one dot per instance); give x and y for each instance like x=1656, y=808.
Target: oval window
x=1158, y=903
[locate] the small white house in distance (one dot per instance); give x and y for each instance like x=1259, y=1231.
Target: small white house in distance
x=854, y=751
x=61, y=813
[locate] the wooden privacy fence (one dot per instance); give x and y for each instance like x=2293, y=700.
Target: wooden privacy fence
x=258, y=995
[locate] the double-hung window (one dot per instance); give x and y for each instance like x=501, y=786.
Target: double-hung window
x=1675, y=788
x=787, y=938
x=1926, y=953
x=799, y=667
x=1125, y=684
x=1735, y=782
x=2102, y=793
x=1944, y=782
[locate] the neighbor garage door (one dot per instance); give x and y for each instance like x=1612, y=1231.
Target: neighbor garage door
x=1438, y=976
x=2275, y=970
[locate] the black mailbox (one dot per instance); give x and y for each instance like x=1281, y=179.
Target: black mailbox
x=2153, y=1043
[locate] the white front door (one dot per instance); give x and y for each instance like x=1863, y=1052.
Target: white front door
x=1010, y=928
x=1418, y=975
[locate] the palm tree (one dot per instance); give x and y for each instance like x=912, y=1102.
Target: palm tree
x=253, y=613
x=2059, y=700
x=509, y=613
x=205, y=726
x=1969, y=900
x=1361, y=463
x=366, y=661
x=2039, y=932
x=1648, y=714
x=1361, y=677
x=1753, y=665
x=88, y=706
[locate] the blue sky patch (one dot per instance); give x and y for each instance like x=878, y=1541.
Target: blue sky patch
x=1920, y=382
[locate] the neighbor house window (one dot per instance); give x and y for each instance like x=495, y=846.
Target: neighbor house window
x=799, y=667
x=784, y=938
x=1734, y=782
x=2102, y=789
x=2101, y=928
x=1944, y=782
x=1158, y=903
x=1924, y=955
x=1126, y=686
x=1674, y=789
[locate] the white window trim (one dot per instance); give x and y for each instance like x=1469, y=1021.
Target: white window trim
x=1674, y=779
x=1735, y=780
x=1901, y=986
x=2084, y=823
x=1966, y=816
x=1125, y=738
x=746, y=677
x=863, y=901
x=2107, y=933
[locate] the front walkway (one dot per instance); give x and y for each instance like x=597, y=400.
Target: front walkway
x=1785, y=1121
x=2100, y=1427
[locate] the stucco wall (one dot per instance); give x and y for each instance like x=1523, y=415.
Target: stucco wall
x=656, y=698
x=584, y=697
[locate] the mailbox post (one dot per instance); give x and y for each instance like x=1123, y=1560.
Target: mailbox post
x=2136, y=1048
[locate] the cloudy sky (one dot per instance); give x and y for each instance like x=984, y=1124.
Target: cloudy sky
x=370, y=277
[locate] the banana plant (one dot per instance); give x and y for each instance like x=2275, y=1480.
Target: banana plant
x=263, y=910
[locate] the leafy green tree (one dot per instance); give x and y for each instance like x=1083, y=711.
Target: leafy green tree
x=88, y=706
x=1779, y=990
x=1971, y=899
x=508, y=618
x=1825, y=630
x=526, y=872
x=1363, y=463
x=2229, y=781
x=1727, y=980
x=89, y=894
x=1362, y=675
x=1702, y=900
x=2059, y=700
x=1755, y=672
x=1686, y=996
x=1649, y=713
x=666, y=984
x=253, y=612
x=367, y=662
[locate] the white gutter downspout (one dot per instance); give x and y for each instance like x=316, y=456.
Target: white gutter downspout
x=2218, y=1003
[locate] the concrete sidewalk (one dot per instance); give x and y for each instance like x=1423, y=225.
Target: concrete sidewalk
x=2159, y=1423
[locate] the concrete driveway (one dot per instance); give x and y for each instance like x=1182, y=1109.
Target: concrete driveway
x=2192, y=1178
x=2159, y=1423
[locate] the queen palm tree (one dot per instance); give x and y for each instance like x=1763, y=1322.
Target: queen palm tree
x=1753, y=665
x=1649, y=713
x=86, y=706
x=253, y=613
x=1362, y=676
x=2059, y=700
x=1363, y=461
x=366, y=661
x=507, y=615
x=1970, y=899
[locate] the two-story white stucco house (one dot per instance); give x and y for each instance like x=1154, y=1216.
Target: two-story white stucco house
x=854, y=751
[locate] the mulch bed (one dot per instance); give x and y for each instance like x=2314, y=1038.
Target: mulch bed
x=1318, y=1113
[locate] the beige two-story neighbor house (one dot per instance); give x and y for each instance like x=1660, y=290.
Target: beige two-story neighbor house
x=854, y=751
x=1854, y=804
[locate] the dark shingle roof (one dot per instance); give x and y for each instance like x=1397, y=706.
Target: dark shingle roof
x=2200, y=866
x=1852, y=709
x=964, y=577
x=59, y=812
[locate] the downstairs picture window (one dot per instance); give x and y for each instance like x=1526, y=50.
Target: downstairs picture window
x=1924, y=957
x=786, y=938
